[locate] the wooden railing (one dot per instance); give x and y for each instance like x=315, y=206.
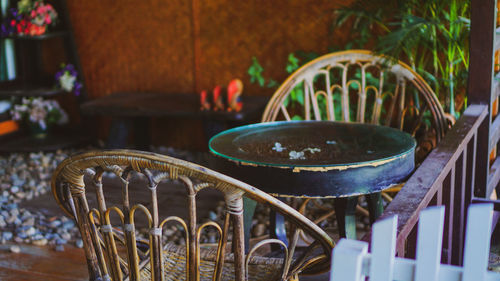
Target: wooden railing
x=446, y=177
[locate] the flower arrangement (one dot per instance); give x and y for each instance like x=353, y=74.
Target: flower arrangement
x=66, y=79
x=30, y=18
x=39, y=112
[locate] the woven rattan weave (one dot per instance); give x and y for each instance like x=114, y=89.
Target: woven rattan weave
x=114, y=251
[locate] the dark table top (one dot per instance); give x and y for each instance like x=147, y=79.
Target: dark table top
x=169, y=105
x=323, y=144
x=357, y=158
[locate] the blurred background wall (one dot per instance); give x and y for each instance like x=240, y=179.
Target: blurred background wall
x=185, y=46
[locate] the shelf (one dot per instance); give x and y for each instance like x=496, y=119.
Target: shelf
x=45, y=36
x=21, y=142
x=28, y=91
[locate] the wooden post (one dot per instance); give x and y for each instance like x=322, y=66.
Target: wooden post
x=482, y=37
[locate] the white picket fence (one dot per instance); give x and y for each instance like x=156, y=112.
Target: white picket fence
x=352, y=262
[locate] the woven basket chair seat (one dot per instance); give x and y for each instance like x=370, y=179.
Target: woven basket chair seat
x=174, y=264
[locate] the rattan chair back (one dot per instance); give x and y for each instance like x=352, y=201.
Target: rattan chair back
x=359, y=86
x=110, y=233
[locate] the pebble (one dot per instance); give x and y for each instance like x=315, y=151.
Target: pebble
x=61, y=241
x=68, y=224
x=59, y=248
x=55, y=223
x=79, y=243
x=7, y=235
x=31, y=231
x=66, y=236
x=41, y=242
x=212, y=215
x=15, y=249
x=29, y=221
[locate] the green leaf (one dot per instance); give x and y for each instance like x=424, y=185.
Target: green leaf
x=286, y=102
x=255, y=71
x=297, y=117
x=261, y=81
x=299, y=95
x=292, y=64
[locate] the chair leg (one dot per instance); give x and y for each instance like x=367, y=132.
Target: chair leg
x=277, y=229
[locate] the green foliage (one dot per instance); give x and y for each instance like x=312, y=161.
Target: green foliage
x=292, y=64
x=255, y=71
x=430, y=35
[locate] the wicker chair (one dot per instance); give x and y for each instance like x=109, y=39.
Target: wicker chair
x=112, y=245
x=370, y=88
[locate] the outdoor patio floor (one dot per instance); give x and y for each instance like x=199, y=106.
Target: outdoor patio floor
x=44, y=263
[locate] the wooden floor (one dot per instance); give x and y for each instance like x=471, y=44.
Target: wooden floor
x=42, y=263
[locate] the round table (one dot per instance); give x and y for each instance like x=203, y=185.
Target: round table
x=319, y=159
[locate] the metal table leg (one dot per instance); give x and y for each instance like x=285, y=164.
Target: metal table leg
x=375, y=206
x=346, y=219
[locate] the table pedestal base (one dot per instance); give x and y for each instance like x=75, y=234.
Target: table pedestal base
x=345, y=212
x=375, y=206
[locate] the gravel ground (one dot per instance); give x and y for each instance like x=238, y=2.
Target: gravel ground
x=25, y=176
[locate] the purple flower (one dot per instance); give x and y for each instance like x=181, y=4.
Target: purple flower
x=78, y=87
x=58, y=74
x=4, y=31
x=13, y=11
x=66, y=79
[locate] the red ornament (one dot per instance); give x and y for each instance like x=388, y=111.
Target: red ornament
x=218, y=103
x=234, y=91
x=204, y=102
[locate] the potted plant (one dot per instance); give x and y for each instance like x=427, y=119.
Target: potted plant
x=39, y=115
x=30, y=18
x=431, y=36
